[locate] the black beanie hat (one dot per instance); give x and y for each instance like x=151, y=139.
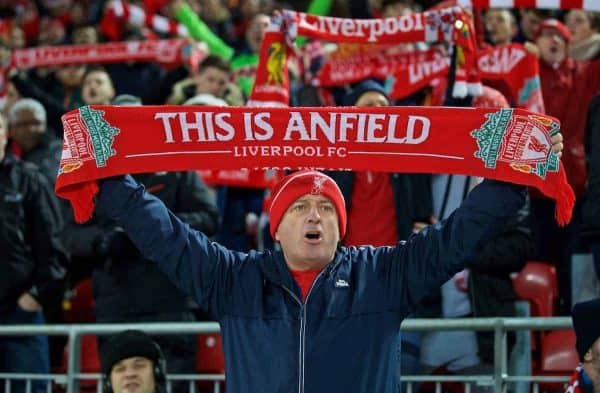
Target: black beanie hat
x=360, y=89
x=128, y=344
x=586, y=321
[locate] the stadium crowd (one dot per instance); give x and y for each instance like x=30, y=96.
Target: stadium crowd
x=45, y=256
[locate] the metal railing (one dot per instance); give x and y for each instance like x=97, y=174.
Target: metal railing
x=500, y=379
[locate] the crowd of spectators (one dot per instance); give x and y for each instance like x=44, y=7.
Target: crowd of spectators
x=44, y=253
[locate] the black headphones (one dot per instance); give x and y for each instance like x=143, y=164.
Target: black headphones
x=159, y=369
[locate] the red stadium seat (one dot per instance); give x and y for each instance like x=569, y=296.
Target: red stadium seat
x=559, y=355
x=536, y=283
x=89, y=362
x=209, y=358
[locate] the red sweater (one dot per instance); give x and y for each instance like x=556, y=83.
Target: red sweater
x=305, y=279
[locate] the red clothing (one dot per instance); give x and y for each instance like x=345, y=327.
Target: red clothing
x=305, y=279
x=372, y=215
x=15, y=149
x=567, y=90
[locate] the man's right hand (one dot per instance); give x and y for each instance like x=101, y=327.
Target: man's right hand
x=28, y=303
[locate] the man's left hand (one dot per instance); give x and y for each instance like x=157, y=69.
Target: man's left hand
x=557, y=144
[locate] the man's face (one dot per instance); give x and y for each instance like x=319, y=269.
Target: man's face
x=309, y=232
x=17, y=38
x=85, y=35
x=529, y=23
x=133, y=375
x=372, y=98
x=256, y=31
x=70, y=75
x=499, y=26
x=579, y=25
x=211, y=80
x=51, y=32
x=27, y=129
x=592, y=357
x=552, y=46
x=97, y=88
x=3, y=136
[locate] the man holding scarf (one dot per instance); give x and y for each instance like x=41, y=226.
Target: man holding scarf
x=315, y=316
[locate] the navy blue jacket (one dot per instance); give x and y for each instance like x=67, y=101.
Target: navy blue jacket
x=344, y=338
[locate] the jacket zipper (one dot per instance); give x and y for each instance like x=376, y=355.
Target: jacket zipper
x=302, y=329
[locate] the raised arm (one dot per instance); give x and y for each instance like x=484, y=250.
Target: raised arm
x=201, y=32
x=434, y=255
x=196, y=265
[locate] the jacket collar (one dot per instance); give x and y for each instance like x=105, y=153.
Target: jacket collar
x=9, y=160
x=276, y=270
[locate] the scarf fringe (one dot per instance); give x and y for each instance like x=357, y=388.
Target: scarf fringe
x=565, y=202
x=82, y=198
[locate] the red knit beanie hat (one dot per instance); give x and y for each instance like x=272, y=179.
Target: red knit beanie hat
x=300, y=183
x=556, y=25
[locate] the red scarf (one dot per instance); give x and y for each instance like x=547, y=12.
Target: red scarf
x=519, y=69
x=240, y=177
x=169, y=52
x=507, y=144
x=588, y=5
x=271, y=87
x=119, y=13
x=573, y=386
x=408, y=73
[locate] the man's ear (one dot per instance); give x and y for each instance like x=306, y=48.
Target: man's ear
x=277, y=236
x=588, y=356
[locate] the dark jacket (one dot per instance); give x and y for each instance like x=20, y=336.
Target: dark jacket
x=46, y=155
x=344, y=338
x=55, y=108
x=412, y=197
x=591, y=208
x=125, y=283
x=32, y=257
x=137, y=78
x=490, y=286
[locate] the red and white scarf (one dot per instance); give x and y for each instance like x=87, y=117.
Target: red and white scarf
x=118, y=13
x=271, y=86
x=519, y=69
x=168, y=52
x=507, y=144
x=573, y=386
x=588, y=5
x=408, y=73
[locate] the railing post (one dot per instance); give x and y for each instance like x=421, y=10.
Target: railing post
x=73, y=361
x=500, y=357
